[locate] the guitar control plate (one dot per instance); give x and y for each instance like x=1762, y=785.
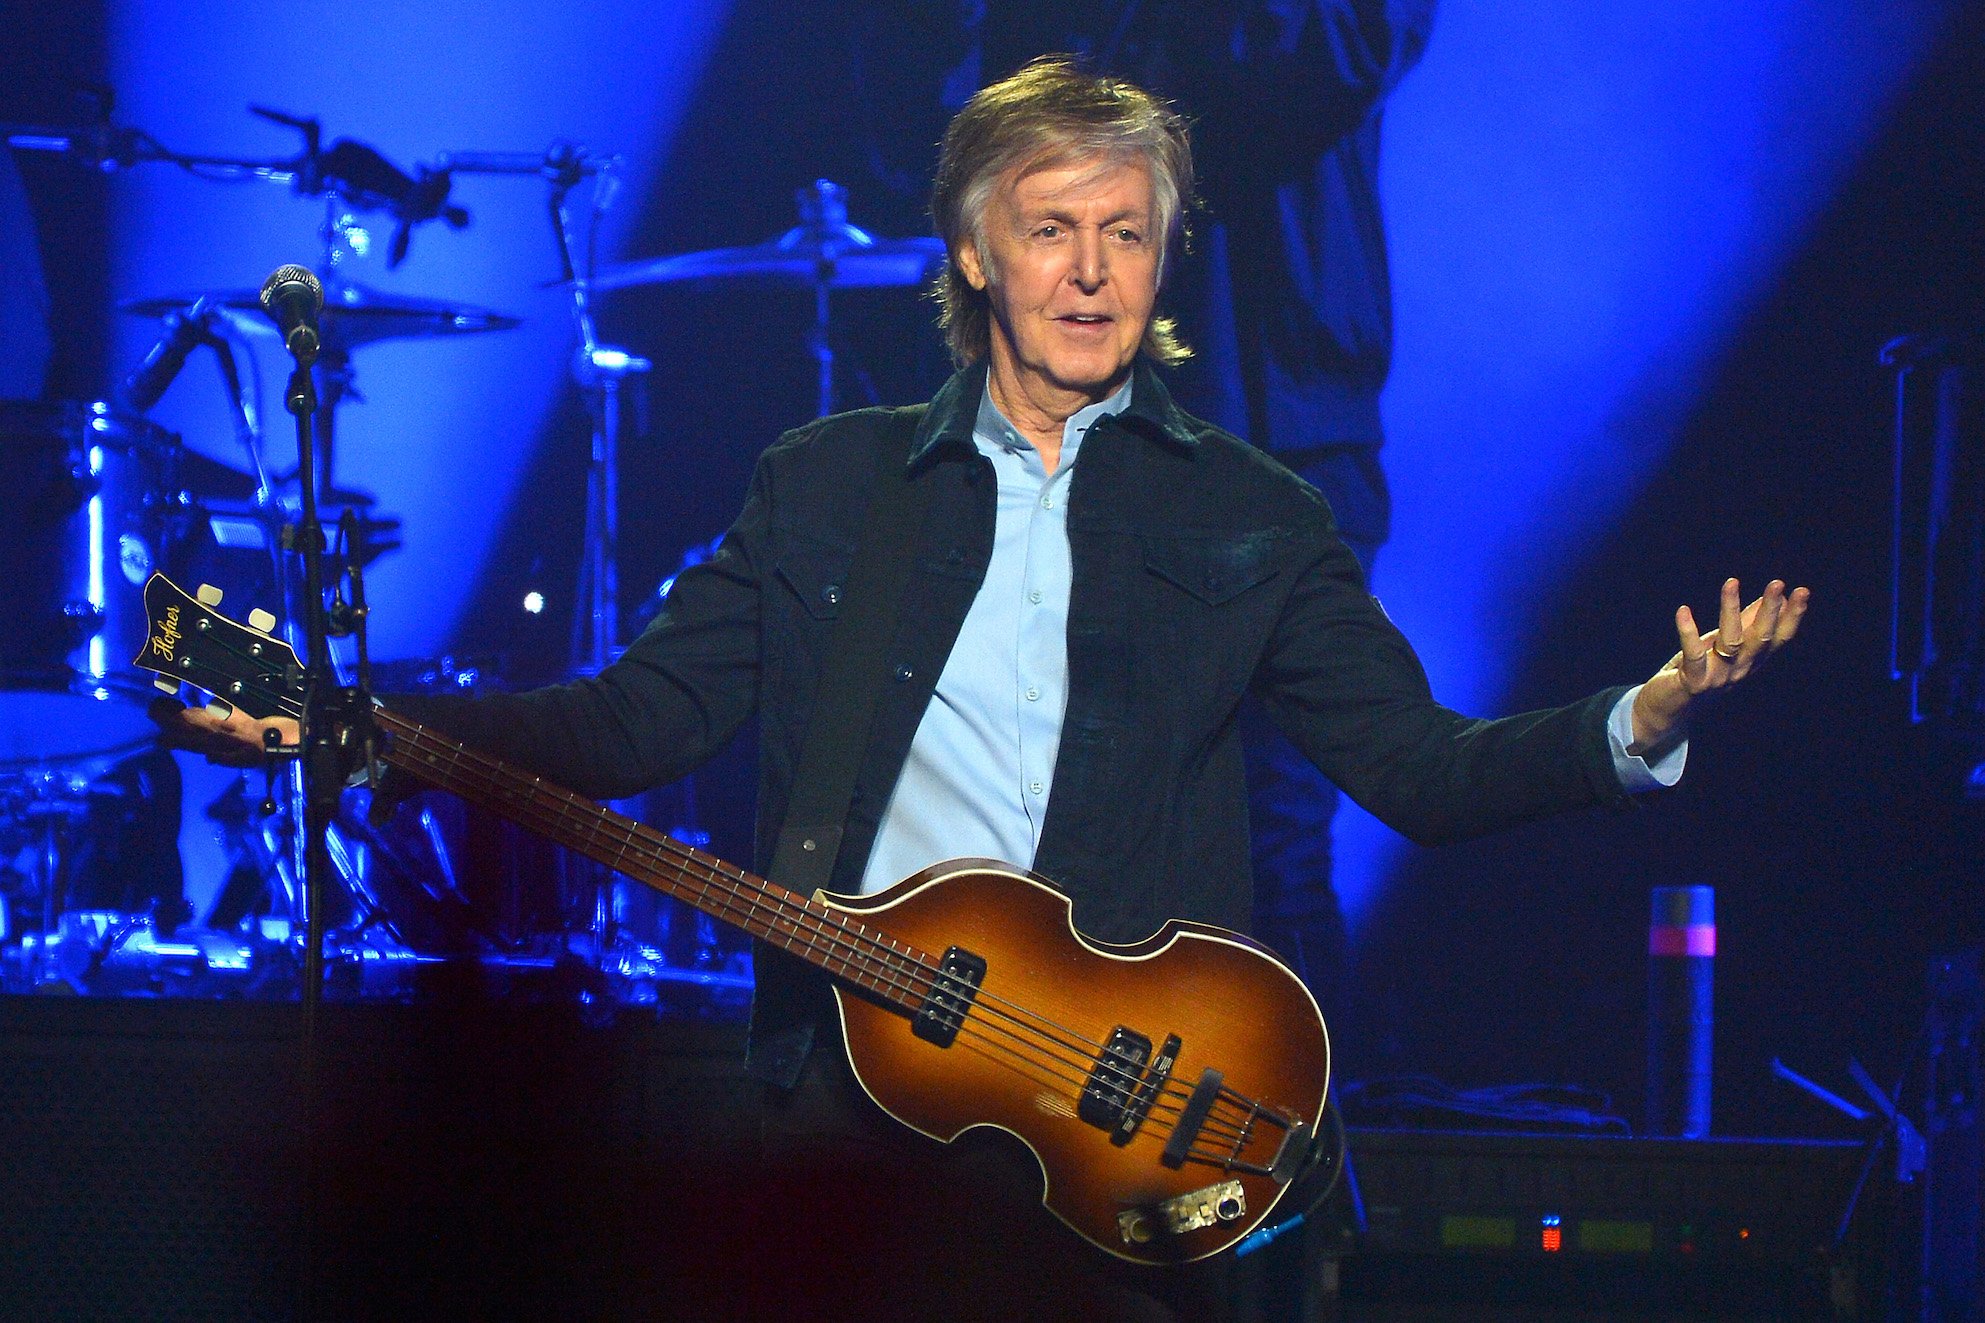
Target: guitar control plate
x=1182, y=1213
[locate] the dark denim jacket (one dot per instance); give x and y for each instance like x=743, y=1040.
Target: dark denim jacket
x=1203, y=570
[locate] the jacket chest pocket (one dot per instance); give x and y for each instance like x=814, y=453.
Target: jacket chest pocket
x=801, y=605
x=1214, y=570
x=815, y=577
x=1208, y=605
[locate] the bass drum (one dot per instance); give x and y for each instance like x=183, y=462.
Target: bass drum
x=94, y=504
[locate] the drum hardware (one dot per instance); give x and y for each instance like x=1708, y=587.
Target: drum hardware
x=347, y=176
x=348, y=170
x=824, y=252
x=352, y=178
x=43, y=814
x=95, y=517
x=353, y=315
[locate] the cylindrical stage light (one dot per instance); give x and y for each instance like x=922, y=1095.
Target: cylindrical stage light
x=1681, y=946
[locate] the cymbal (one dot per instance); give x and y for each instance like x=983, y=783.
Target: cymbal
x=849, y=259
x=353, y=314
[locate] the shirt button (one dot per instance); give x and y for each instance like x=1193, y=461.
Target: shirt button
x=904, y=672
x=1047, y=502
x=1032, y=693
x=1036, y=787
x=1035, y=597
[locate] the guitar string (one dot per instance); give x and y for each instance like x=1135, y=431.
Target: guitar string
x=922, y=980
x=651, y=845
x=1124, y=1086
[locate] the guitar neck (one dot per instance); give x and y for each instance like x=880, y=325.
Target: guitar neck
x=825, y=938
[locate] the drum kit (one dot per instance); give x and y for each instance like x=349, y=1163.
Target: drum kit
x=92, y=893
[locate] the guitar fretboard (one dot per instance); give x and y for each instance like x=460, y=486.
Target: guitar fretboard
x=827, y=938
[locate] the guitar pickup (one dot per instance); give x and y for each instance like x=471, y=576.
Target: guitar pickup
x=953, y=990
x=1140, y=1106
x=1114, y=1098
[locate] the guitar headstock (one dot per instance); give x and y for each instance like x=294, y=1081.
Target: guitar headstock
x=188, y=641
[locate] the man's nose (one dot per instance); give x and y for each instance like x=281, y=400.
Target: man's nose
x=1091, y=267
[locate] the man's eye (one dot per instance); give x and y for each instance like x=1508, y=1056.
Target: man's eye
x=1048, y=231
x=1129, y=236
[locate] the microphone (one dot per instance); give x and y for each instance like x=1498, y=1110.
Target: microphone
x=185, y=331
x=293, y=299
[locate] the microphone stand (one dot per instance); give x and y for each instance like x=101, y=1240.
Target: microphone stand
x=336, y=730
x=317, y=750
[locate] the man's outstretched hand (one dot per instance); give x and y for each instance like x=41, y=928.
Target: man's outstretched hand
x=1744, y=636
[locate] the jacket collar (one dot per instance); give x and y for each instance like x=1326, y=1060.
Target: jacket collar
x=953, y=411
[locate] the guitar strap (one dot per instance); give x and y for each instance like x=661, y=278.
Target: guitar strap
x=851, y=676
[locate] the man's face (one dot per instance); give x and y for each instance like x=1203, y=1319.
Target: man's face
x=1071, y=268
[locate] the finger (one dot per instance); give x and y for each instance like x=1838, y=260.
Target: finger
x=1761, y=628
x=1795, y=611
x=222, y=734
x=1695, y=653
x=1730, y=622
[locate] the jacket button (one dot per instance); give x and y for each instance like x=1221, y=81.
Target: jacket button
x=831, y=594
x=904, y=673
x=956, y=556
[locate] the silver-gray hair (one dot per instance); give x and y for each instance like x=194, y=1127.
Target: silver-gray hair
x=1050, y=113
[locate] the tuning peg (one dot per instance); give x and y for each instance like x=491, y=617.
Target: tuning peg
x=258, y=619
x=219, y=710
x=208, y=595
x=166, y=687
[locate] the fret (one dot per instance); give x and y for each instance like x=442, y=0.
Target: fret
x=844, y=949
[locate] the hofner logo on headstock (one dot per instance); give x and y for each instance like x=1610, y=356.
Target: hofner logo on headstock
x=167, y=638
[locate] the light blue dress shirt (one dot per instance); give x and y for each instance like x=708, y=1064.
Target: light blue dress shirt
x=982, y=765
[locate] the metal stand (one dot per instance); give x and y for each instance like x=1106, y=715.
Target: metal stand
x=600, y=371
x=825, y=228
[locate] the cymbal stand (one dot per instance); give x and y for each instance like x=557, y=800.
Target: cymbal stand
x=823, y=208
x=344, y=239
x=601, y=372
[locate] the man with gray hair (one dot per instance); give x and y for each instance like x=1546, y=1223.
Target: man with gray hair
x=1092, y=583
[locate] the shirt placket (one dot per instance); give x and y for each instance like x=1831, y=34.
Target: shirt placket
x=1040, y=682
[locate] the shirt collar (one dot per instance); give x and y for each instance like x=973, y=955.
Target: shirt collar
x=954, y=412
x=994, y=429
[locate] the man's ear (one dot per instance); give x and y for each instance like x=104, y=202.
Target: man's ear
x=968, y=262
